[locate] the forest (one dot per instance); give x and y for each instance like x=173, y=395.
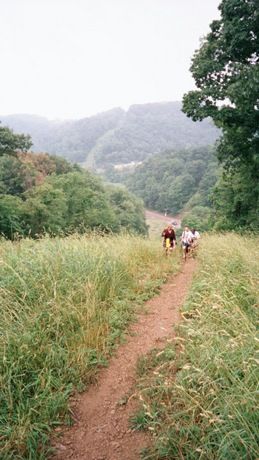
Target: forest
x=179, y=181
x=44, y=194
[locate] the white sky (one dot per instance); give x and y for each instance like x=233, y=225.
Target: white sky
x=74, y=58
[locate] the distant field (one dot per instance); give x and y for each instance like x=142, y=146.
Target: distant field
x=64, y=304
x=157, y=222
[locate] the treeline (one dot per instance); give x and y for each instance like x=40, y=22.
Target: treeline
x=42, y=194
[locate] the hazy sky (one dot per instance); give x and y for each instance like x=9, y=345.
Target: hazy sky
x=74, y=58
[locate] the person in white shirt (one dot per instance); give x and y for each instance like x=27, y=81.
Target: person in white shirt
x=186, y=239
x=196, y=236
x=187, y=236
x=195, y=233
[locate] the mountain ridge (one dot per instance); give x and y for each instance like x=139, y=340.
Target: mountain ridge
x=116, y=136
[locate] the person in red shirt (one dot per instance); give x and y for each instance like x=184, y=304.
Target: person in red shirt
x=169, y=233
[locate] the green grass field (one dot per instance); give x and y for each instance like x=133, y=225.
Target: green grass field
x=64, y=304
x=199, y=394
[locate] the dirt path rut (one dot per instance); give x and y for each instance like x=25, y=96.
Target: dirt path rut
x=102, y=430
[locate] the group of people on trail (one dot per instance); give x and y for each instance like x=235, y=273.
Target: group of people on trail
x=189, y=238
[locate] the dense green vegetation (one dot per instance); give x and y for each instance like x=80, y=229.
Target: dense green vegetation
x=236, y=198
x=116, y=136
x=178, y=181
x=45, y=194
x=64, y=303
x=226, y=73
x=199, y=394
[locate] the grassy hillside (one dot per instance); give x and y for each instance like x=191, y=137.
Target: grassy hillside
x=116, y=136
x=199, y=394
x=64, y=303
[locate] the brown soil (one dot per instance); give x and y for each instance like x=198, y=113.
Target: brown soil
x=101, y=430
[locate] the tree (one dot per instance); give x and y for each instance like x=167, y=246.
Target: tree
x=128, y=209
x=87, y=201
x=16, y=176
x=226, y=73
x=236, y=200
x=11, y=143
x=11, y=214
x=45, y=210
x=198, y=217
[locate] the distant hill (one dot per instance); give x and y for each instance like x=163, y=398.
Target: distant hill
x=116, y=136
x=72, y=139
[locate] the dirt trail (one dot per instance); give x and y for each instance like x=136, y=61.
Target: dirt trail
x=102, y=431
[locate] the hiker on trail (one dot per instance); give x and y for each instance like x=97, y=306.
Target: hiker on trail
x=187, y=238
x=195, y=233
x=195, y=237
x=169, y=232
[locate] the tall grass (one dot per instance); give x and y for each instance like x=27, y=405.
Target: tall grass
x=63, y=305
x=199, y=394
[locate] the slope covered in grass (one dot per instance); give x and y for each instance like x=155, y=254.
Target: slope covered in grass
x=63, y=305
x=200, y=393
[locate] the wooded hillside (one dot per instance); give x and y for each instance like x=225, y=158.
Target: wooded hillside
x=42, y=194
x=116, y=136
x=177, y=181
